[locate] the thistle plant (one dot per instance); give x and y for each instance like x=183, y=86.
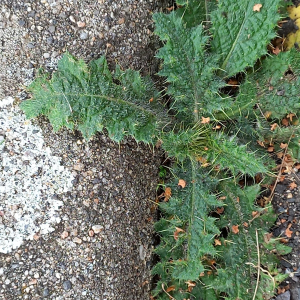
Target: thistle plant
x=213, y=235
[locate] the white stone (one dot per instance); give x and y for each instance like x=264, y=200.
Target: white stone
x=97, y=228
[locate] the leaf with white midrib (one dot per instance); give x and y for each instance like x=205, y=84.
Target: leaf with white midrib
x=88, y=97
x=240, y=35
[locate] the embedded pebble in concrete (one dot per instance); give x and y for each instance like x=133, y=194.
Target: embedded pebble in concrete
x=29, y=181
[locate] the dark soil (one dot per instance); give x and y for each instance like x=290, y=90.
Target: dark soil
x=286, y=203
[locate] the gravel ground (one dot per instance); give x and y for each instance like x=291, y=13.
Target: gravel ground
x=286, y=203
x=34, y=33
x=100, y=246
x=101, y=249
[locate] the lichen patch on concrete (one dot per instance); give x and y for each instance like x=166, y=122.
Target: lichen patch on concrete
x=30, y=180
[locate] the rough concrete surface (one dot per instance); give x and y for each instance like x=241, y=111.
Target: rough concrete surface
x=101, y=246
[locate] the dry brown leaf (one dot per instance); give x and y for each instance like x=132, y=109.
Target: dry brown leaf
x=191, y=285
x=211, y=262
x=274, y=126
x=182, y=183
x=288, y=169
x=280, y=290
x=279, y=154
x=218, y=242
x=270, y=149
x=235, y=229
x=276, y=51
x=284, y=241
x=233, y=82
x=261, y=143
x=293, y=185
x=168, y=194
x=257, y=7
x=238, y=199
x=290, y=116
x=203, y=160
x=158, y=143
x=245, y=224
x=222, y=198
x=176, y=232
x=267, y=114
x=217, y=127
x=145, y=282
x=282, y=177
x=254, y=214
x=170, y=8
x=258, y=178
x=285, y=122
x=220, y=210
x=288, y=232
x=283, y=146
x=205, y=120
x=170, y=288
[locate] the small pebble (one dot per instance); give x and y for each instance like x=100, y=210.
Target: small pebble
x=30, y=45
x=46, y=292
x=67, y=285
x=72, y=19
x=36, y=237
x=97, y=228
x=80, y=24
x=83, y=35
x=78, y=167
x=49, y=40
x=64, y=234
x=121, y=21
x=51, y=29
x=22, y=23
x=142, y=252
x=77, y=240
x=32, y=281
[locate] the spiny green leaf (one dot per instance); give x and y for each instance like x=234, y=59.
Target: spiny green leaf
x=227, y=153
x=190, y=72
x=240, y=34
x=87, y=97
x=276, y=90
x=236, y=272
x=190, y=205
